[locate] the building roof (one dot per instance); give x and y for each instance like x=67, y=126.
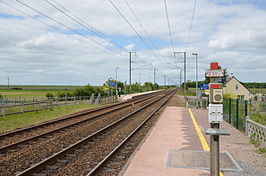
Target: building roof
x=237, y=81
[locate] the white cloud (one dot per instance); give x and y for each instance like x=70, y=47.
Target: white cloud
x=33, y=53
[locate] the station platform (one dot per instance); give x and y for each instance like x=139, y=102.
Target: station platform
x=130, y=96
x=178, y=146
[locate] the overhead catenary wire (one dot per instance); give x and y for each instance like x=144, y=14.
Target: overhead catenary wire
x=73, y=30
x=141, y=25
x=168, y=23
x=127, y=21
x=83, y=23
x=35, y=18
x=191, y=24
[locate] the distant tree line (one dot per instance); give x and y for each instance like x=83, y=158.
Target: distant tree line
x=105, y=90
x=247, y=85
x=254, y=85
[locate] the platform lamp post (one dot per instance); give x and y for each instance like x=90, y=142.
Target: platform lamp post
x=197, y=94
x=116, y=80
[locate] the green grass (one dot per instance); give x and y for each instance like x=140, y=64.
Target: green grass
x=189, y=92
x=40, y=87
x=257, y=90
x=22, y=120
x=29, y=93
x=262, y=151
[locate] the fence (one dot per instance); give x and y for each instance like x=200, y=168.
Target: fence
x=202, y=102
x=19, y=106
x=235, y=112
x=256, y=130
x=247, y=116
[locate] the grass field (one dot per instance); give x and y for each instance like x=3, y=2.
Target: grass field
x=256, y=90
x=21, y=120
x=189, y=92
x=29, y=93
x=40, y=87
x=33, y=90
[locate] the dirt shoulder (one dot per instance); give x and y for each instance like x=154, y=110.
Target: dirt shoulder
x=238, y=145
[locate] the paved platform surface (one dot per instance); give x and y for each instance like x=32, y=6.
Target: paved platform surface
x=170, y=133
x=129, y=96
x=176, y=130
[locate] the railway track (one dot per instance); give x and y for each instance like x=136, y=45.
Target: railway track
x=23, y=136
x=90, y=154
x=24, y=155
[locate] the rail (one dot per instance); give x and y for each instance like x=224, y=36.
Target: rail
x=39, y=166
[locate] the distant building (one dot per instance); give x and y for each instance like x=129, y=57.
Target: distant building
x=235, y=89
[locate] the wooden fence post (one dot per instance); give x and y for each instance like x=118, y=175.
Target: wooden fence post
x=22, y=108
x=4, y=110
x=51, y=105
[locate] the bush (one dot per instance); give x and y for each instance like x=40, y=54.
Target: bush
x=49, y=95
x=87, y=91
x=64, y=94
x=1, y=96
x=16, y=88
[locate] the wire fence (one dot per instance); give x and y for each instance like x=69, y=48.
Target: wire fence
x=236, y=111
x=20, y=106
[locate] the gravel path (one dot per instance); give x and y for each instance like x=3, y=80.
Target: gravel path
x=238, y=145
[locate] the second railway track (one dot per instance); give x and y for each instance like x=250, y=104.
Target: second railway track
x=25, y=156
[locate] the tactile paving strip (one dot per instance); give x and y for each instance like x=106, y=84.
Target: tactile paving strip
x=195, y=159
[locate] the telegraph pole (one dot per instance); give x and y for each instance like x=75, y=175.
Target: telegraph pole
x=197, y=94
x=165, y=80
x=139, y=80
x=185, y=71
x=116, y=80
x=8, y=82
x=180, y=77
x=154, y=76
x=130, y=53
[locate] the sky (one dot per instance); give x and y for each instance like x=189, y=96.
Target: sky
x=50, y=48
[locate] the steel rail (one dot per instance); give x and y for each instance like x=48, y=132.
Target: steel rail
x=39, y=166
x=69, y=117
x=127, y=138
x=33, y=138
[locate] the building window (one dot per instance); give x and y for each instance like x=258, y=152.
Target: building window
x=237, y=87
x=241, y=97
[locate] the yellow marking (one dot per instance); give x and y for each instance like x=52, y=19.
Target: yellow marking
x=203, y=141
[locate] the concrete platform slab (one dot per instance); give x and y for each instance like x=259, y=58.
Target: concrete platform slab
x=195, y=159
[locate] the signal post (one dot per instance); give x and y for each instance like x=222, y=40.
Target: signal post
x=215, y=115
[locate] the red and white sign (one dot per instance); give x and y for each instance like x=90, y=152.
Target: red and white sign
x=214, y=73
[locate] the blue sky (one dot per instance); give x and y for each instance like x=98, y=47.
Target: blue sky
x=230, y=32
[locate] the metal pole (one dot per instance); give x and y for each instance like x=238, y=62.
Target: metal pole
x=8, y=82
x=230, y=114
x=116, y=80
x=185, y=73
x=154, y=75
x=197, y=96
x=180, y=76
x=237, y=113
x=164, y=80
x=185, y=76
x=214, y=151
x=130, y=72
x=246, y=108
x=130, y=53
x=139, y=80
